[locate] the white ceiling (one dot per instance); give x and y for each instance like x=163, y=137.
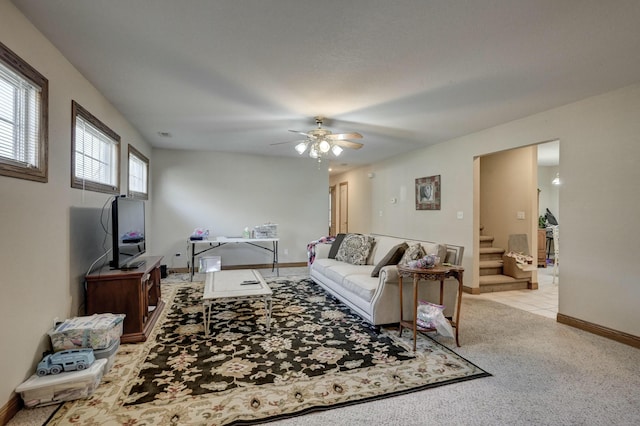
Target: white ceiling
x=236, y=75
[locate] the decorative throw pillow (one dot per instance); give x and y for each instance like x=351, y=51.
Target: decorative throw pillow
x=439, y=250
x=354, y=249
x=413, y=252
x=391, y=258
x=335, y=246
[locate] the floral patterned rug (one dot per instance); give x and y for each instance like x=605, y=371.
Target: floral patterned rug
x=317, y=355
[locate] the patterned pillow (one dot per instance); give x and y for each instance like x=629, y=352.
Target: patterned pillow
x=335, y=246
x=354, y=249
x=414, y=252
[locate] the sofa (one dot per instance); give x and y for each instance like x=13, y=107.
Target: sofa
x=376, y=298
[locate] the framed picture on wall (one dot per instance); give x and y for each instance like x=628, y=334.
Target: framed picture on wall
x=428, y=193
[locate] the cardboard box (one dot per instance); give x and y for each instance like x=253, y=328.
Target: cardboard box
x=54, y=388
x=511, y=268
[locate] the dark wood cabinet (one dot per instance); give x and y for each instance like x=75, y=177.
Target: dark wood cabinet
x=135, y=293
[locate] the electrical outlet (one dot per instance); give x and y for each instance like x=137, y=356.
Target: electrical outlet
x=286, y=252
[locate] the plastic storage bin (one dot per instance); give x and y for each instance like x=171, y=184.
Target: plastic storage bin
x=97, y=331
x=52, y=389
x=109, y=354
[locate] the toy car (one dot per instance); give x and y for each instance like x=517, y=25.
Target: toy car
x=69, y=360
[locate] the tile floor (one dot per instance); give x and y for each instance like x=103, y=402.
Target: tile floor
x=543, y=301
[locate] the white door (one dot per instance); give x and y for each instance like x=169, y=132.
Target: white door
x=343, y=216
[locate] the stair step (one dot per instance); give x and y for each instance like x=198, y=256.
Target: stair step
x=490, y=267
x=490, y=250
x=491, y=283
x=485, y=238
x=491, y=253
x=490, y=263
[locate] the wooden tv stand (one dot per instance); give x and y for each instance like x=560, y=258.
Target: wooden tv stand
x=134, y=292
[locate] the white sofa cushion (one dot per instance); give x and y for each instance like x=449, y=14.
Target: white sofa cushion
x=338, y=272
x=361, y=285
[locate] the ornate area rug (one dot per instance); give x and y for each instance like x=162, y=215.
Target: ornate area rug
x=317, y=355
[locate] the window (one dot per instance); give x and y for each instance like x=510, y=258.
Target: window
x=138, y=174
x=24, y=96
x=95, y=153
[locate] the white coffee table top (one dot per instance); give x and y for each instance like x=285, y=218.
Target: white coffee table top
x=235, y=283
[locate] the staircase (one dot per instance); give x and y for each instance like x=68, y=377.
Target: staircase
x=491, y=274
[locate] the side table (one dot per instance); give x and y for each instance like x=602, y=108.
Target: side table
x=437, y=273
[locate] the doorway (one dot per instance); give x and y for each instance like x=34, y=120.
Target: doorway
x=521, y=217
x=332, y=210
x=343, y=208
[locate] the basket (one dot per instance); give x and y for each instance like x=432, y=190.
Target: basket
x=268, y=230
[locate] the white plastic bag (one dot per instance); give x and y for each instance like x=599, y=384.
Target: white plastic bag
x=431, y=315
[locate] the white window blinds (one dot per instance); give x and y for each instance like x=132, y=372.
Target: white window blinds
x=20, y=110
x=96, y=157
x=137, y=174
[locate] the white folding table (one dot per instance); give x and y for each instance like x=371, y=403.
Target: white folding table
x=201, y=246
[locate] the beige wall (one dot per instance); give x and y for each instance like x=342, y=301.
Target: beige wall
x=507, y=182
x=44, y=226
x=226, y=192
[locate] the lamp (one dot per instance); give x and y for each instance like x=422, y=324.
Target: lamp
x=301, y=147
x=556, y=180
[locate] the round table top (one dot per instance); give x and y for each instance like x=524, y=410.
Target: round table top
x=437, y=269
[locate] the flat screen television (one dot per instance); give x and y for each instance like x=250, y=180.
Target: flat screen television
x=128, y=232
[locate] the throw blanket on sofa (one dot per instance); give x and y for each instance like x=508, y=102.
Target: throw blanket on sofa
x=311, y=247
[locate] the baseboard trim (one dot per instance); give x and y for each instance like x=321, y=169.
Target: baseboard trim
x=10, y=409
x=609, y=333
x=255, y=266
x=470, y=290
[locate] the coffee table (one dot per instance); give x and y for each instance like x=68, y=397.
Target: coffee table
x=234, y=285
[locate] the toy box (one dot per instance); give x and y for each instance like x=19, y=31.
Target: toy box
x=109, y=354
x=97, y=331
x=40, y=391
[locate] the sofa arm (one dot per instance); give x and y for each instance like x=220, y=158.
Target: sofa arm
x=389, y=274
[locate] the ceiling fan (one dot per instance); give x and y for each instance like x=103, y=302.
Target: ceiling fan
x=320, y=141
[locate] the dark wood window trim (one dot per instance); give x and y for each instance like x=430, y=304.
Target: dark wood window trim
x=19, y=170
x=78, y=110
x=135, y=194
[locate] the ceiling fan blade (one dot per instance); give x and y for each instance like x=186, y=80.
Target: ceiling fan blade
x=282, y=143
x=310, y=136
x=348, y=144
x=343, y=136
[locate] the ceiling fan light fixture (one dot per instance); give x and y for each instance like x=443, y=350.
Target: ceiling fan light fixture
x=321, y=141
x=324, y=146
x=313, y=152
x=301, y=147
